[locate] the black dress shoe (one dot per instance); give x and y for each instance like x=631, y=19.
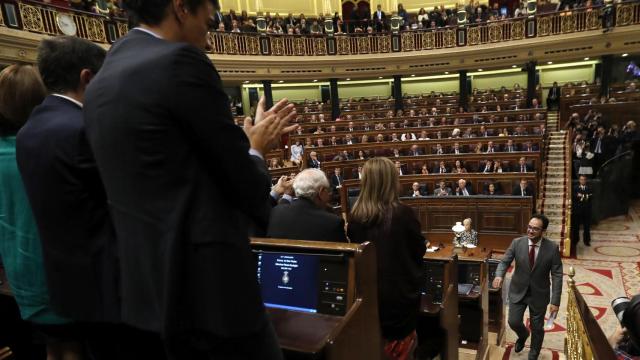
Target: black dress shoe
x=519, y=345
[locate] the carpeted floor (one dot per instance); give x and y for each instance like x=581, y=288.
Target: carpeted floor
x=604, y=271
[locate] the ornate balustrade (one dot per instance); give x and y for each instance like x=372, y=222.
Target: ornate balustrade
x=46, y=19
x=54, y=20
x=585, y=339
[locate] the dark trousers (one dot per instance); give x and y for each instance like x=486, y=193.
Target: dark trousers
x=581, y=216
x=536, y=323
x=121, y=342
x=201, y=345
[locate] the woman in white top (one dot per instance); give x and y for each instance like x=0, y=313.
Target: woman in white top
x=296, y=153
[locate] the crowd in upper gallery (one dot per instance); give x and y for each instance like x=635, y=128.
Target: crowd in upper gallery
x=365, y=20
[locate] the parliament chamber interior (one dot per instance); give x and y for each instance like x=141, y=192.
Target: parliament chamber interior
x=491, y=121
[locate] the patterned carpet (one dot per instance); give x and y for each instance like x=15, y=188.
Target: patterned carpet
x=604, y=271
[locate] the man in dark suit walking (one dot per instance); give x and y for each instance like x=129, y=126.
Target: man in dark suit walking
x=537, y=259
x=581, y=214
x=184, y=185
x=307, y=217
x=379, y=18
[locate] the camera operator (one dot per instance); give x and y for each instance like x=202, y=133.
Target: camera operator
x=625, y=339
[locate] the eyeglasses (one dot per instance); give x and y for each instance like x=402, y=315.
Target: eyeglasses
x=534, y=228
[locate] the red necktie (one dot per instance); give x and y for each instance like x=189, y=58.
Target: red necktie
x=532, y=256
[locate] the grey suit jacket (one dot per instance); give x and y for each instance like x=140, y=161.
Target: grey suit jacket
x=548, y=266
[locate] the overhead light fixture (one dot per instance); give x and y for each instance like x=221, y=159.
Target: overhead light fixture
x=413, y=75
x=379, y=77
x=280, y=82
x=625, y=55
x=586, y=59
x=348, y=79
x=479, y=69
x=315, y=80
x=446, y=73
x=549, y=62
x=246, y=82
x=514, y=66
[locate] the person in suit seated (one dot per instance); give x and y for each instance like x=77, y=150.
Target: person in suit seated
x=307, y=218
x=441, y=168
x=442, y=189
x=313, y=160
x=510, y=147
x=416, y=190
x=336, y=180
x=491, y=190
x=349, y=140
x=361, y=155
x=463, y=189
x=529, y=147
x=523, y=189
x=491, y=148
x=414, y=151
x=487, y=167
x=357, y=173
x=522, y=166
x=457, y=149
x=538, y=270
x=424, y=170
x=396, y=153
x=399, y=168
x=438, y=150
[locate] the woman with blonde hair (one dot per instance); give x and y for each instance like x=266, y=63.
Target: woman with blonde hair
x=21, y=90
x=379, y=217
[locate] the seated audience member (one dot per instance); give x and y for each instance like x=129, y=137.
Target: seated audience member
x=396, y=153
x=297, y=150
x=357, y=173
x=416, y=190
x=320, y=142
x=491, y=190
x=510, y=147
x=441, y=169
x=21, y=89
x=424, y=170
x=492, y=148
x=349, y=140
x=469, y=235
x=528, y=147
x=442, y=189
x=522, y=166
x=313, y=160
x=463, y=189
x=456, y=149
x=379, y=216
x=523, y=189
x=307, y=217
x=274, y=164
x=336, y=179
x=487, y=167
x=362, y=155
x=459, y=168
x=414, y=151
x=438, y=150
x=399, y=168
x=497, y=166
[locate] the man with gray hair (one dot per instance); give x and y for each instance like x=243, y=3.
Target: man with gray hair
x=307, y=218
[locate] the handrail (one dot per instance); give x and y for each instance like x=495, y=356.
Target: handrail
x=38, y=17
x=585, y=339
x=613, y=159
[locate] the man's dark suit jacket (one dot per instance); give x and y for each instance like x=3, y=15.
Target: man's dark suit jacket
x=459, y=192
x=582, y=203
x=547, y=266
x=182, y=189
x=70, y=208
x=528, y=191
x=335, y=182
x=303, y=220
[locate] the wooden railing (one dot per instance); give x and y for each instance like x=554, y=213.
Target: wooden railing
x=585, y=339
x=43, y=18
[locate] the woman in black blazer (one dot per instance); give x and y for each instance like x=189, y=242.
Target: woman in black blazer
x=379, y=217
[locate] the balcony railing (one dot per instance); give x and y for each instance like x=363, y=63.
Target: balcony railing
x=43, y=18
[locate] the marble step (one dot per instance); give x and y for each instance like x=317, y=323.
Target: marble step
x=556, y=162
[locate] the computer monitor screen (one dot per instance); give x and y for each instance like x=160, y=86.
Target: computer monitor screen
x=289, y=280
x=503, y=11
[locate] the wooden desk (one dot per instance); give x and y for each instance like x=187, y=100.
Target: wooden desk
x=473, y=308
x=438, y=325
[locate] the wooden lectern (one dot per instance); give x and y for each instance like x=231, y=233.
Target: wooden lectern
x=321, y=297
